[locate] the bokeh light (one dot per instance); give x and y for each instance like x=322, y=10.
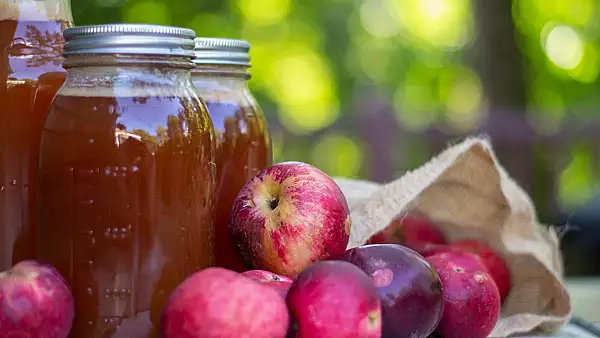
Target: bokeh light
x=301, y=83
x=338, y=155
x=442, y=23
x=563, y=46
x=264, y=12
x=212, y=25
x=377, y=20
x=148, y=11
x=579, y=181
x=461, y=91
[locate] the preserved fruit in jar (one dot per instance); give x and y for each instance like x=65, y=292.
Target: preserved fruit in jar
x=126, y=176
x=243, y=145
x=31, y=73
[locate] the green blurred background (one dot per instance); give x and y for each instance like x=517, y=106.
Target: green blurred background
x=371, y=88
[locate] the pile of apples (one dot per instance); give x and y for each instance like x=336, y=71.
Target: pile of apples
x=291, y=226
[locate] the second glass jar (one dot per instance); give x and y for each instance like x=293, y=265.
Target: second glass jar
x=126, y=176
x=243, y=145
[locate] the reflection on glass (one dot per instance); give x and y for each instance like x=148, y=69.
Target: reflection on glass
x=30, y=76
x=126, y=204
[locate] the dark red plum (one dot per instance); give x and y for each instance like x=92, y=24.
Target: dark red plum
x=410, y=290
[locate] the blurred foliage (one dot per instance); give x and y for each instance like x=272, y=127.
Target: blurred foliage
x=317, y=64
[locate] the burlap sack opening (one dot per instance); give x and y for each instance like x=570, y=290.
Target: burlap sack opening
x=469, y=195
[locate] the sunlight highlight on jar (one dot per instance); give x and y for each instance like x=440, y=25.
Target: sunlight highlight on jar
x=154, y=12
x=576, y=183
x=338, y=155
x=264, y=12
x=303, y=85
x=442, y=23
x=563, y=46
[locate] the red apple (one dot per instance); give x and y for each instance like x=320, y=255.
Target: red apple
x=220, y=303
x=279, y=283
x=409, y=289
x=35, y=301
x=471, y=298
x=429, y=249
x=495, y=264
x=289, y=216
x=334, y=299
x=408, y=229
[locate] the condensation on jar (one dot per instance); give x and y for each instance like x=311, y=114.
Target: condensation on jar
x=126, y=176
x=243, y=145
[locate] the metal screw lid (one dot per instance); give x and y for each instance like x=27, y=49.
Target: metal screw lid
x=138, y=39
x=217, y=51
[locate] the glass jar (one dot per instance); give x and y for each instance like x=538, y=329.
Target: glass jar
x=31, y=72
x=126, y=176
x=243, y=145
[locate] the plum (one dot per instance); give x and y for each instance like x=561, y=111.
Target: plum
x=408, y=229
x=279, y=283
x=334, y=299
x=471, y=298
x=220, y=303
x=410, y=290
x=495, y=264
x=35, y=301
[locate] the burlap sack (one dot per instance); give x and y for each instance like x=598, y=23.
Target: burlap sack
x=469, y=195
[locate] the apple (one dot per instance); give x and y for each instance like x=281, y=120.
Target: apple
x=220, y=303
x=409, y=289
x=471, y=297
x=495, y=264
x=279, y=283
x=35, y=301
x=428, y=249
x=334, y=299
x=288, y=217
x=408, y=229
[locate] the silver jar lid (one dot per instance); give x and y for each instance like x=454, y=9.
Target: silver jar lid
x=139, y=39
x=217, y=51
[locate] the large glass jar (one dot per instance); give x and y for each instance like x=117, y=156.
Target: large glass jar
x=31, y=72
x=243, y=145
x=126, y=176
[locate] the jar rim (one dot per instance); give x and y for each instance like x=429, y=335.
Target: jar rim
x=134, y=39
x=221, y=51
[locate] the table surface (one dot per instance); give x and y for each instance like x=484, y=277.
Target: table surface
x=575, y=329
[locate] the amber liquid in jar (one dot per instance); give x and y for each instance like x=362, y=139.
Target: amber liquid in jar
x=31, y=73
x=126, y=194
x=243, y=148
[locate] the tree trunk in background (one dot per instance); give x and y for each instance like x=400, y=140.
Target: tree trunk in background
x=499, y=63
